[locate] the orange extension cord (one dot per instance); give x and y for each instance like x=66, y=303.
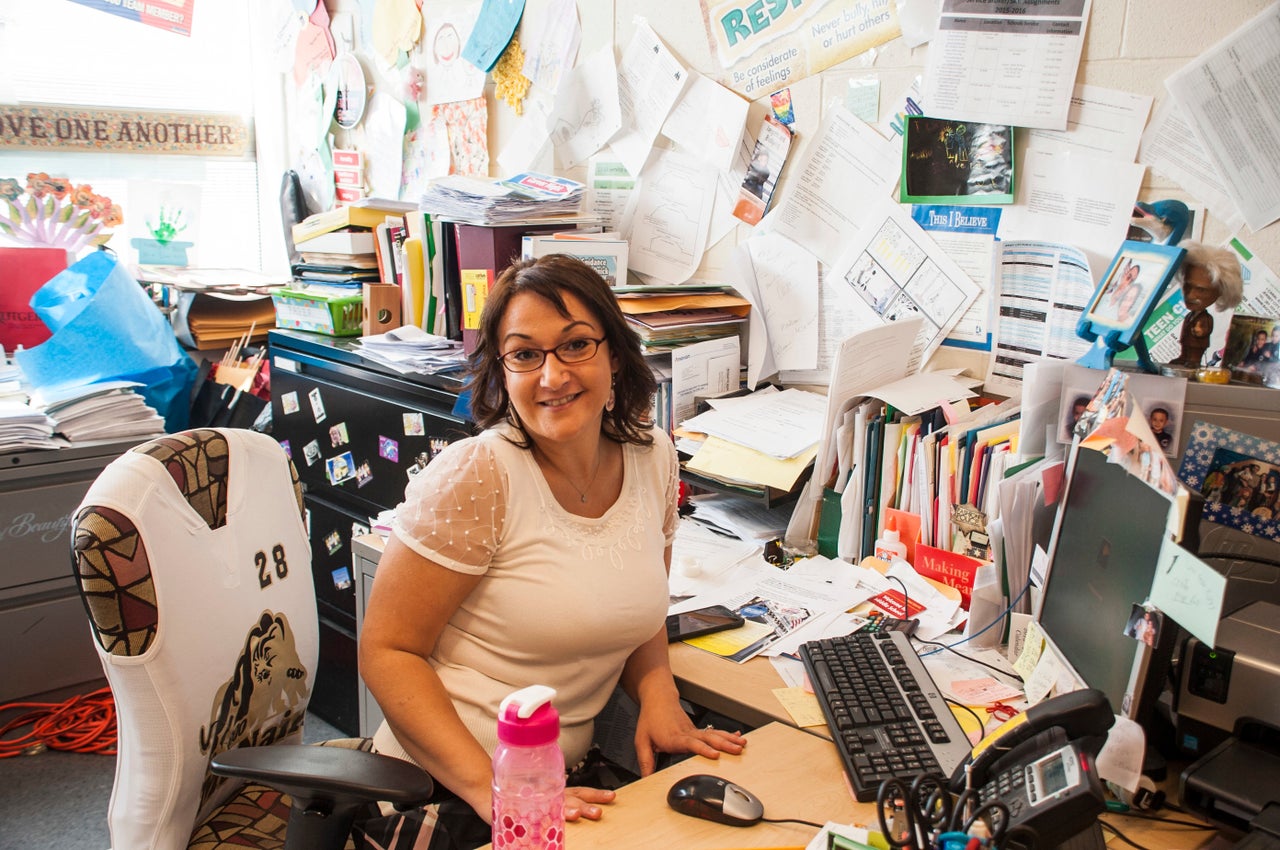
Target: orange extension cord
x=85, y=723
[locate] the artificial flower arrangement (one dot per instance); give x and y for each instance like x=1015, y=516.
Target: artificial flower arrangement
x=55, y=213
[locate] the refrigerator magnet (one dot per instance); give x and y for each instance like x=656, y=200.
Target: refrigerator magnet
x=317, y=404
x=288, y=450
x=340, y=468
x=388, y=449
x=289, y=402
x=333, y=542
x=338, y=435
x=312, y=452
x=363, y=475
x=413, y=425
x=341, y=578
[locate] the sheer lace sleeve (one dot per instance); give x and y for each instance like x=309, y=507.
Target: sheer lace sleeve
x=454, y=510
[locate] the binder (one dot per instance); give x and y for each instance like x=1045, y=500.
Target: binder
x=451, y=285
x=484, y=253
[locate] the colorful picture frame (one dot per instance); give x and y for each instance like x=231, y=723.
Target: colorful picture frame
x=956, y=162
x=1134, y=283
x=1239, y=477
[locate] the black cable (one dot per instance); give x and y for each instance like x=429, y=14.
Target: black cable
x=794, y=820
x=1238, y=556
x=906, y=600
x=1138, y=813
x=1118, y=834
x=981, y=723
x=998, y=620
x=968, y=658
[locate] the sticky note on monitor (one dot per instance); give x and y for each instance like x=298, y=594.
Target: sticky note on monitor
x=1190, y=591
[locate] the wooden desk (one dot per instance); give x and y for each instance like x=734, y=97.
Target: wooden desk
x=795, y=774
x=743, y=692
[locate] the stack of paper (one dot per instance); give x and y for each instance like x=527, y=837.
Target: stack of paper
x=740, y=516
x=105, y=411
x=411, y=349
x=668, y=328
x=765, y=439
x=521, y=198
x=23, y=428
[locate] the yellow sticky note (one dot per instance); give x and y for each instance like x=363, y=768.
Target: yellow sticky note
x=1032, y=646
x=801, y=705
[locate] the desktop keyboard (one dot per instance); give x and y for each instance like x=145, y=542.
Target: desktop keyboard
x=886, y=715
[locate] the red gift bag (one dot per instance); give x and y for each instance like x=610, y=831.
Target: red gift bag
x=22, y=272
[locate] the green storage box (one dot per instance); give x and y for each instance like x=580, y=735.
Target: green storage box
x=331, y=310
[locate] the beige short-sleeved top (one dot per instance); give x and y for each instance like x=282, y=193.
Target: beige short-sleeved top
x=564, y=600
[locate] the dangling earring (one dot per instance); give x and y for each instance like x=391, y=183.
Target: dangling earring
x=608, y=405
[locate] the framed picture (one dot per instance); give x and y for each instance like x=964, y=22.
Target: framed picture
x=1239, y=477
x=1157, y=398
x=1130, y=289
x=1252, y=352
x=956, y=162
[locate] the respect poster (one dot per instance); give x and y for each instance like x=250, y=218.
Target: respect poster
x=765, y=45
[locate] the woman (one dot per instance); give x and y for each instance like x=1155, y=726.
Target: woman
x=536, y=552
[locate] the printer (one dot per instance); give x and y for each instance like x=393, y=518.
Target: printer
x=1240, y=677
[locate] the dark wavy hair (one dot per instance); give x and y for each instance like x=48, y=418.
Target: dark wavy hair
x=551, y=277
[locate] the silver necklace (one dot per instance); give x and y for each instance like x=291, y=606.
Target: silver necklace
x=582, y=491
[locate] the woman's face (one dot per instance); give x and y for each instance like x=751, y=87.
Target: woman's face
x=557, y=403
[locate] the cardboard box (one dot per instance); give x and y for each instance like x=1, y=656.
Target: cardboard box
x=321, y=309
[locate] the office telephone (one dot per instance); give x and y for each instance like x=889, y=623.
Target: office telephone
x=1040, y=766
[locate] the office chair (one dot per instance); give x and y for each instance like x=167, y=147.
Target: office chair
x=192, y=559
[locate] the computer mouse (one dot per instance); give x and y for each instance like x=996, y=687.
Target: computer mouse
x=716, y=799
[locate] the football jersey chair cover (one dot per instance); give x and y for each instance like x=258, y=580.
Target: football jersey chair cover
x=192, y=558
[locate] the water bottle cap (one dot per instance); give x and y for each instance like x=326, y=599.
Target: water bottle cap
x=527, y=718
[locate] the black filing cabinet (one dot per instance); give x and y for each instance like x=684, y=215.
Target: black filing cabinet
x=354, y=429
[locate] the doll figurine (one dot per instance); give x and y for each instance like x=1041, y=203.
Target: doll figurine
x=1210, y=277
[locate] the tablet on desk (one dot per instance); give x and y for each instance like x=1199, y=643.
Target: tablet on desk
x=703, y=621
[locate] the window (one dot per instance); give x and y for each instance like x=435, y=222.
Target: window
x=61, y=53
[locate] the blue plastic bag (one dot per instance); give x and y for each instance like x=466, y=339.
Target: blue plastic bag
x=105, y=328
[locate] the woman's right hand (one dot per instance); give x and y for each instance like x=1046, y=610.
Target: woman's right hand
x=582, y=802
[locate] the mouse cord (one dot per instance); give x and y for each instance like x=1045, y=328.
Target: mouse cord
x=793, y=820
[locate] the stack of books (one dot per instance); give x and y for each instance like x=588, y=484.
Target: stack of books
x=346, y=256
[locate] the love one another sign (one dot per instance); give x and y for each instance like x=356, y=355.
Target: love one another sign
x=70, y=128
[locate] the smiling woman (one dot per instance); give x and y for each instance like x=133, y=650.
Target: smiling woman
x=534, y=553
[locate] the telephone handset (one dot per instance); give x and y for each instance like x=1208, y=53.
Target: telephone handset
x=1040, y=765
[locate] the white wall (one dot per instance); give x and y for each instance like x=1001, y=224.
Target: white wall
x=1131, y=45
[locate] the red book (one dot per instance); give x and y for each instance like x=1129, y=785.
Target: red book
x=950, y=568
x=23, y=271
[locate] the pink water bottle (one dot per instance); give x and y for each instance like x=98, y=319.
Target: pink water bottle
x=528, y=773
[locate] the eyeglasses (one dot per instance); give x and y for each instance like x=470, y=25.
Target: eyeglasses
x=577, y=350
